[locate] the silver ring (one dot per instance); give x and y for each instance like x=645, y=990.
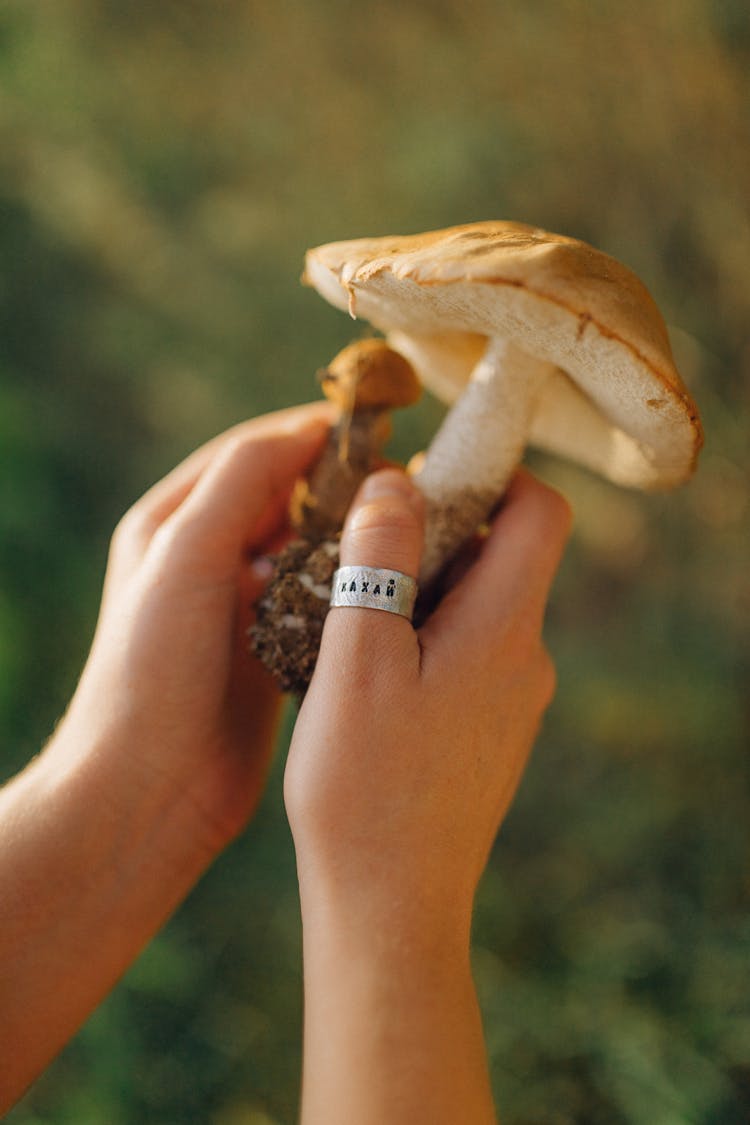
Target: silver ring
x=365, y=587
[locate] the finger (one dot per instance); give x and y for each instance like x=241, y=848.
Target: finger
x=384, y=529
x=512, y=577
x=528, y=538
x=163, y=498
x=242, y=490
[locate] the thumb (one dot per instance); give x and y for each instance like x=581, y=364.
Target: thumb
x=384, y=529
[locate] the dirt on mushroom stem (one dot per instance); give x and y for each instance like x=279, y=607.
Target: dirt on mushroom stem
x=471, y=509
x=444, y=518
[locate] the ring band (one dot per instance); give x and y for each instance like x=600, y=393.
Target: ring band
x=365, y=587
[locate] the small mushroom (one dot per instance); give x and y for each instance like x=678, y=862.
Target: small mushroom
x=539, y=339
x=366, y=381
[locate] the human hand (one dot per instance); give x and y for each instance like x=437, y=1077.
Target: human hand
x=162, y=754
x=407, y=752
x=170, y=685
x=410, y=744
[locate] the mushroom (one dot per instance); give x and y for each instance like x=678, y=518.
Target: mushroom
x=365, y=381
x=539, y=339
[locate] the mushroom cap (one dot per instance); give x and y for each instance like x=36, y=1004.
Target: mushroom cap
x=369, y=375
x=615, y=403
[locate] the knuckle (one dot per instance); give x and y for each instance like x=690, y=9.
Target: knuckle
x=250, y=446
x=387, y=524
x=237, y=446
x=382, y=515
x=235, y=450
x=248, y=455
x=173, y=545
x=133, y=526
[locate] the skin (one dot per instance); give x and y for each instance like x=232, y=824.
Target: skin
x=162, y=755
x=405, y=757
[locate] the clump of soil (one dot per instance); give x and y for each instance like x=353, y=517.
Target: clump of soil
x=290, y=615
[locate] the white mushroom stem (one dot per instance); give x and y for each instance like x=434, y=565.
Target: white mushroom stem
x=477, y=449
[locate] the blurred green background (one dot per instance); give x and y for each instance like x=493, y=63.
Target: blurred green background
x=163, y=167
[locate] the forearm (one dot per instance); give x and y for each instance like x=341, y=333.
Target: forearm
x=92, y=861
x=392, y=1027
x=162, y=757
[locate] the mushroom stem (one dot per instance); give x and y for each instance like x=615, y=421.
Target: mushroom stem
x=478, y=447
x=353, y=449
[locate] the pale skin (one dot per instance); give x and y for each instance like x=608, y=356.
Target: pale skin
x=406, y=755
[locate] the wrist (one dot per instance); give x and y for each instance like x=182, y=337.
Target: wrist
x=396, y=922
x=89, y=874
x=392, y=1024
x=131, y=810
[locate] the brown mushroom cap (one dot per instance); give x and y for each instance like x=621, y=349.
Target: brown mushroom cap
x=616, y=402
x=371, y=376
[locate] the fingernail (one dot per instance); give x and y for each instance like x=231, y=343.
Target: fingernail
x=390, y=482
